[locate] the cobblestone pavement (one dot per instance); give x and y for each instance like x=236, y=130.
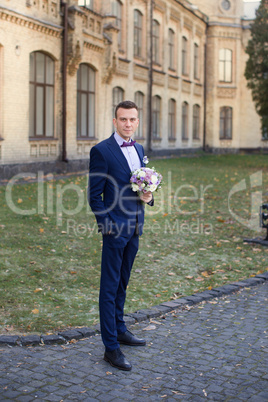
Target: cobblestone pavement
x=215, y=350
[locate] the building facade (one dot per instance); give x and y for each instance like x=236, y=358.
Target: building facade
x=64, y=67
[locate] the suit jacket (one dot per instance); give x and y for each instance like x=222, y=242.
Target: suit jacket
x=116, y=206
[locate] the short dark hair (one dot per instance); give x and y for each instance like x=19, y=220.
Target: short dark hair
x=125, y=105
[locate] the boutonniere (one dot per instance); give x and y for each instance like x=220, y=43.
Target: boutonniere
x=145, y=160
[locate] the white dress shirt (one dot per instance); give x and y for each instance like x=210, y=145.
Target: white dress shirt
x=129, y=153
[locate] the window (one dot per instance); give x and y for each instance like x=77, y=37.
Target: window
x=184, y=67
x=196, y=122
x=85, y=102
x=171, y=119
x=41, y=95
x=171, y=40
x=184, y=121
x=117, y=8
x=156, y=41
x=118, y=96
x=225, y=65
x=196, y=61
x=86, y=3
x=226, y=117
x=137, y=33
x=156, y=116
x=139, y=100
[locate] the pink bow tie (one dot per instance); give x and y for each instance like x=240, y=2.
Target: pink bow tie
x=128, y=144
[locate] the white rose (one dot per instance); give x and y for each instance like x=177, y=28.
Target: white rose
x=154, y=179
x=152, y=187
x=142, y=173
x=135, y=187
x=142, y=185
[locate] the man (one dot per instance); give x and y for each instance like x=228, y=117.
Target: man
x=120, y=216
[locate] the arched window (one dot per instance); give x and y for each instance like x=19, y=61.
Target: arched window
x=139, y=100
x=184, y=56
x=85, y=101
x=184, y=121
x=225, y=65
x=41, y=95
x=171, y=47
x=226, y=122
x=196, y=61
x=171, y=119
x=118, y=96
x=196, y=122
x=156, y=41
x=117, y=8
x=156, y=116
x=137, y=33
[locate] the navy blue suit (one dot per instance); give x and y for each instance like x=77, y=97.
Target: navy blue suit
x=120, y=216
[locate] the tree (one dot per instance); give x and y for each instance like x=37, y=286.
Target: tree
x=256, y=71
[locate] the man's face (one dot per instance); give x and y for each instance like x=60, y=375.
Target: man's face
x=126, y=122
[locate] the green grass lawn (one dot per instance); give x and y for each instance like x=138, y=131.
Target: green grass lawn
x=193, y=240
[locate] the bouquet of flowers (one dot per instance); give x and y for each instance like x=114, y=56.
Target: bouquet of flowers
x=145, y=179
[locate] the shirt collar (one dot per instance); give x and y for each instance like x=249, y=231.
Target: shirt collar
x=119, y=139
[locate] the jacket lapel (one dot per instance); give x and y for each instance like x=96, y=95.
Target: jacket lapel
x=139, y=151
x=114, y=148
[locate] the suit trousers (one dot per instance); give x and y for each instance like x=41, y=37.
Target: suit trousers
x=118, y=256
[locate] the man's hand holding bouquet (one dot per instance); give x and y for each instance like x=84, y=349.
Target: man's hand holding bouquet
x=145, y=181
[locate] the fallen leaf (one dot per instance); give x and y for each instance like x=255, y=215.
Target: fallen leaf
x=35, y=311
x=41, y=230
x=38, y=290
x=149, y=328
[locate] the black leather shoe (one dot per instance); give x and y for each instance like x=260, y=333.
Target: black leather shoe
x=117, y=359
x=127, y=338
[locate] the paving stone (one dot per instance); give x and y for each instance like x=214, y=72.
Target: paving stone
x=255, y=281
x=52, y=339
x=226, y=289
x=264, y=275
x=70, y=334
x=129, y=320
x=194, y=298
x=207, y=295
x=217, y=350
x=178, y=303
x=138, y=316
x=11, y=340
x=150, y=313
x=86, y=332
x=30, y=340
